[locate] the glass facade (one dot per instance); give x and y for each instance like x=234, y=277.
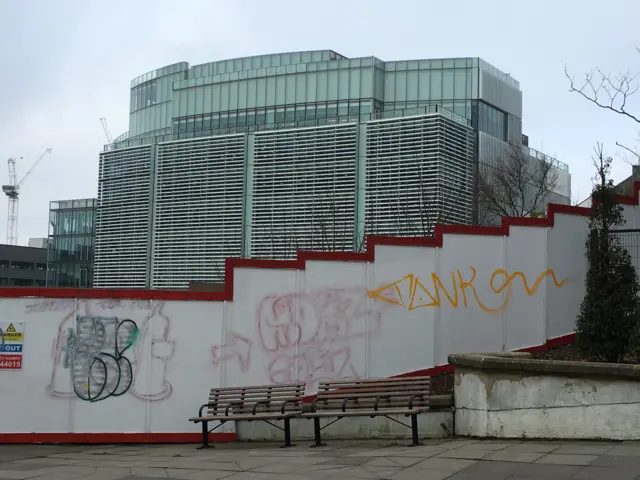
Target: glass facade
x=71, y=237
x=299, y=89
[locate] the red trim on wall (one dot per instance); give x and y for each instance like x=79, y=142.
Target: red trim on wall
x=303, y=256
x=633, y=198
x=111, y=438
x=549, y=344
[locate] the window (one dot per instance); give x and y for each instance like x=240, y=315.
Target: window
x=490, y=120
x=300, y=113
x=311, y=112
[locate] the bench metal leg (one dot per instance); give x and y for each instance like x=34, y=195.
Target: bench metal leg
x=287, y=434
x=205, y=436
x=414, y=431
x=316, y=434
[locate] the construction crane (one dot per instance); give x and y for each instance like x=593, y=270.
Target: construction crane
x=12, y=191
x=107, y=133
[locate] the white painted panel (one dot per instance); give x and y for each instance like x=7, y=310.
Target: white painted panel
x=473, y=323
x=632, y=217
x=108, y=346
x=334, y=320
x=183, y=364
x=24, y=394
x=262, y=324
x=566, y=256
x=524, y=283
x=402, y=340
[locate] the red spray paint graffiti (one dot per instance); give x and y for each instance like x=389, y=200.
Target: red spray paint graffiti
x=238, y=347
x=309, y=336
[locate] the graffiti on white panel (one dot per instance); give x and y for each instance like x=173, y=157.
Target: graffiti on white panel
x=307, y=336
x=97, y=357
x=412, y=292
x=238, y=347
x=94, y=353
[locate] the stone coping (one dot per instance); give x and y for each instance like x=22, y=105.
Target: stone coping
x=522, y=362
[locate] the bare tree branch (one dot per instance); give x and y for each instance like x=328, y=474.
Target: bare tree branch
x=607, y=91
x=632, y=152
x=514, y=185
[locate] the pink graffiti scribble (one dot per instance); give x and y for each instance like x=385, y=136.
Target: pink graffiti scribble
x=307, y=337
x=238, y=347
x=307, y=319
x=312, y=365
x=50, y=305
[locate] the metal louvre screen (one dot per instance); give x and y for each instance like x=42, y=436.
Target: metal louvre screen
x=304, y=191
x=198, y=209
x=122, y=218
x=419, y=172
x=630, y=239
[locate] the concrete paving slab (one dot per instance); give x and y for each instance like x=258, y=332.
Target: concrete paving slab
x=566, y=459
x=454, y=459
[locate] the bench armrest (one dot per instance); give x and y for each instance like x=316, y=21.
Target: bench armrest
x=314, y=402
x=283, y=407
x=346, y=400
x=206, y=405
x=375, y=405
x=257, y=404
x=226, y=410
x=420, y=395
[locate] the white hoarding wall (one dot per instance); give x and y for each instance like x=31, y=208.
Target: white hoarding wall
x=110, y=365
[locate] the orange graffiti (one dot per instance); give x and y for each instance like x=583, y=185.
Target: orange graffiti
x=410, y=293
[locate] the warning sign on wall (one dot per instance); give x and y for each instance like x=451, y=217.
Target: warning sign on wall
x=11, y=345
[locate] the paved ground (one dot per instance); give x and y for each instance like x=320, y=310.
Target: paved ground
x=435, y=460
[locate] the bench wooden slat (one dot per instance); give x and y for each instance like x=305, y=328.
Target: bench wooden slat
x=378, y=379
x=356, y=401
x=365, y=413
x=275, y=396
x=382, y=408
x=374, y=383
x=270, y=388
x=268, y=398
x=376, y=392
x=259, y=416
x=363, y=395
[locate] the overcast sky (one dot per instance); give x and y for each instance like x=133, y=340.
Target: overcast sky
x=66, y=63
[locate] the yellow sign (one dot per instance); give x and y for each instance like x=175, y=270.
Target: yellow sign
x=11, y=335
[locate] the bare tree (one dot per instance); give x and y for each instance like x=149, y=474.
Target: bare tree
x=333, y=224
x=514, y=185
x=609, y=92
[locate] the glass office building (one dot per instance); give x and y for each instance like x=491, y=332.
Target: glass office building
x=71, y=237
x=262, y=156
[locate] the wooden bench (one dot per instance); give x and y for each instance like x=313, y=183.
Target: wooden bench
x=371, y=398
x=261, y=402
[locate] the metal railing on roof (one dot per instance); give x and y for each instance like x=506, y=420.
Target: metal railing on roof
x=154, y=137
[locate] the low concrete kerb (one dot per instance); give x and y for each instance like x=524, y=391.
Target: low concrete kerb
x=522, y=362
